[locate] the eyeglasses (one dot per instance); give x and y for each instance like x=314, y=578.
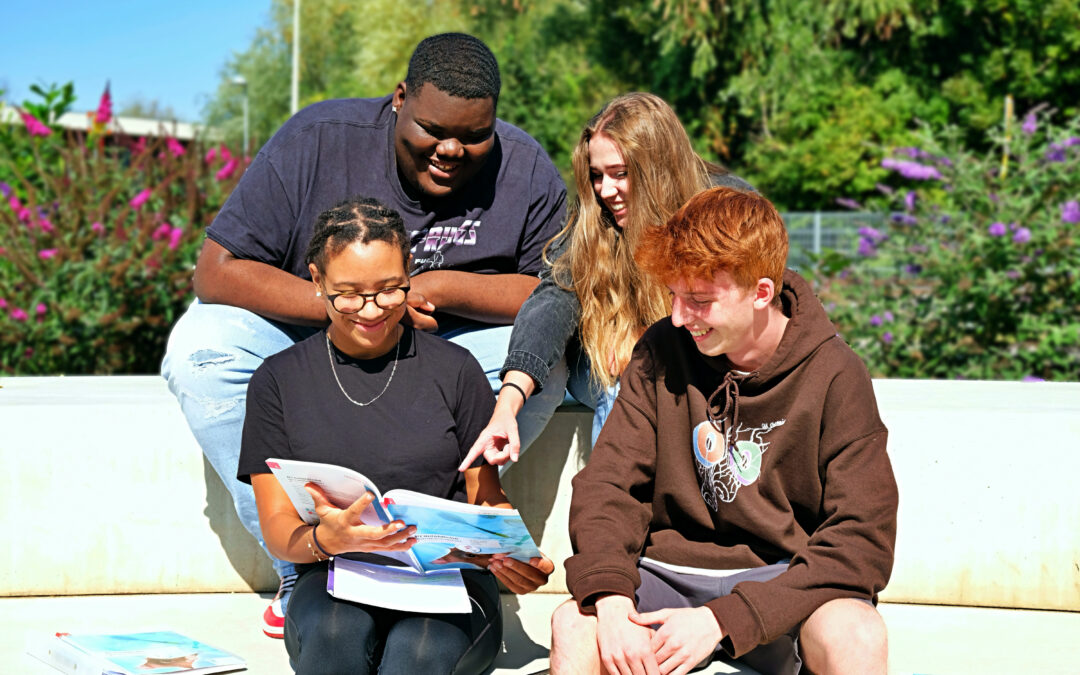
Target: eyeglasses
x=351, y=303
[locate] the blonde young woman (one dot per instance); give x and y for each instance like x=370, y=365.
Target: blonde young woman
x=633, y=168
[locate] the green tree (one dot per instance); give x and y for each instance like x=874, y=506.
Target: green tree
x=137, y=106
x=347, y=49
x=793, y=94
x=552, y=80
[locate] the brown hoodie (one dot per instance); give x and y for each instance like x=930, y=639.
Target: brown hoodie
x=804, y=477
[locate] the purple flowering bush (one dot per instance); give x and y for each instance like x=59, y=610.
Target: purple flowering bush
x=977, y=273
x=99, y=233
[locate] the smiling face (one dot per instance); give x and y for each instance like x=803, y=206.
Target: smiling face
x=725, y=319
x=607, y=171
x=441, y=141
x=363, y=268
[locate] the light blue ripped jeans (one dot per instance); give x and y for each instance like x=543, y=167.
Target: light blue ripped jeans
x=588, y=393
x=214, y=349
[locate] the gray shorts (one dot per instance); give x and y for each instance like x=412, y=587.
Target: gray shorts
x=662, y=588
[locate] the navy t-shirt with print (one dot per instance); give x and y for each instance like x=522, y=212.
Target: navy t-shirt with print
x=334, y=150
x=413, y=436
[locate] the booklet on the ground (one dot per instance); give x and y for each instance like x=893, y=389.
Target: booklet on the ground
x=450, y=536
x=132, y=653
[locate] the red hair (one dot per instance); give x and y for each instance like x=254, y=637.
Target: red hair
x=719, y=229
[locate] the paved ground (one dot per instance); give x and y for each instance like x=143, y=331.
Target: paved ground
x=923, y=639
x=230, y=621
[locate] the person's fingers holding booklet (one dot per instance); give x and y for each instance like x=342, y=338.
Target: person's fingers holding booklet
x=521, y=577
x=347, y=531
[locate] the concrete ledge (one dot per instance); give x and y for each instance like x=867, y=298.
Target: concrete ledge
x=989, y=510
x=121, y=497
x=109, y=493
x=126, y=503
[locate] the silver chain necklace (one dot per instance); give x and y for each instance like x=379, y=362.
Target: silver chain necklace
x=330, y=353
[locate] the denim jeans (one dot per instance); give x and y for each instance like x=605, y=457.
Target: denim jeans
x=604, y=402
x=587, y=392
x=214, y=349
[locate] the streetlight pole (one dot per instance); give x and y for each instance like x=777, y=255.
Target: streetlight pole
x=241, y=82
x=295, y=100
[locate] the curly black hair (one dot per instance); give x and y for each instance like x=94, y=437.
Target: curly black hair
x=458, y=64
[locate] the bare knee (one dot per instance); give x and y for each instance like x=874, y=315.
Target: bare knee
x=845, y=636
x=573, y=641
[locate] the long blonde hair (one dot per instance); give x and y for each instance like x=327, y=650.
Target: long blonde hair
x=618, y=301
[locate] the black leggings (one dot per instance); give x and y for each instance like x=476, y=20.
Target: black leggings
x=331, y=636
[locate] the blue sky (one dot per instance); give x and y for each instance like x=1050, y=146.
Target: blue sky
x=160, y=50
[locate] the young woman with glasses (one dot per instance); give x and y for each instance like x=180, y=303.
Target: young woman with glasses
x=633, y=168
x=398, y=405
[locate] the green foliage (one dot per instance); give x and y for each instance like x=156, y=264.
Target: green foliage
x=791, y=94
x=552, y=84
x=347, y=49
x=978, y=273
x=55, y=101
x=137, y=106
x=265, y=67
x=100, y=235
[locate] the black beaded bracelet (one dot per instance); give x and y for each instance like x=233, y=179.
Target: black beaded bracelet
x=315, y=538
x=521, y=391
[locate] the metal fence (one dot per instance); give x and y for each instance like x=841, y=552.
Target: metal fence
x=813, y=232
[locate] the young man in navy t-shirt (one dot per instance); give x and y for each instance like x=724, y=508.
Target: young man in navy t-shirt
x=479, y=197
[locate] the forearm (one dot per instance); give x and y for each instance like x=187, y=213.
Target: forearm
x=543, y=327
x=611, y=509
x=517, y=388
x=483, y=488
x=291, y=539
x=490, y=298
x=221, y=278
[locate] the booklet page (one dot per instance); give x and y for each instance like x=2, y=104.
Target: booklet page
x=400, y=588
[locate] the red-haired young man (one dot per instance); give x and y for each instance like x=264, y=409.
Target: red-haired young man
x=740, y=497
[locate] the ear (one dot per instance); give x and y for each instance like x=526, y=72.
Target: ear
x=315, y=278
x=764, y=293
x=399, y=96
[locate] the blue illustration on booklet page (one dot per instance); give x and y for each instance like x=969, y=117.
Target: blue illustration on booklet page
x=465, y=540
x=154, y=652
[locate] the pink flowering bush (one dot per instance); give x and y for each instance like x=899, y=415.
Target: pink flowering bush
x=977, y=272
x=99, y=237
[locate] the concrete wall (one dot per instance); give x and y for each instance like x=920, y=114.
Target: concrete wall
x=105, y=491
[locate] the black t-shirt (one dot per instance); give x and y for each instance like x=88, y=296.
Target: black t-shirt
x=413, y=437
x=335, y=150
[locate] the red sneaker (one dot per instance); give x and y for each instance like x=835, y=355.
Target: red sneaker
x=274, y=616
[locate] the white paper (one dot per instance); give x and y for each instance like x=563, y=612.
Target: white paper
x=401, y=588
x=342, y=486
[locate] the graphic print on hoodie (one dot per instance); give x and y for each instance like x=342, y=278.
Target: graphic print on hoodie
x=721, y=474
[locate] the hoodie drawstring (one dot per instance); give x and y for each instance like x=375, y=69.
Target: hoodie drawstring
x=729, y=388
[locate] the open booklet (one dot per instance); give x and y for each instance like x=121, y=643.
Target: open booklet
x=130, y=653
x=450, y=536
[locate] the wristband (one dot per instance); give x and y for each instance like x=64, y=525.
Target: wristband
x=521, y=391
x=315, y=538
